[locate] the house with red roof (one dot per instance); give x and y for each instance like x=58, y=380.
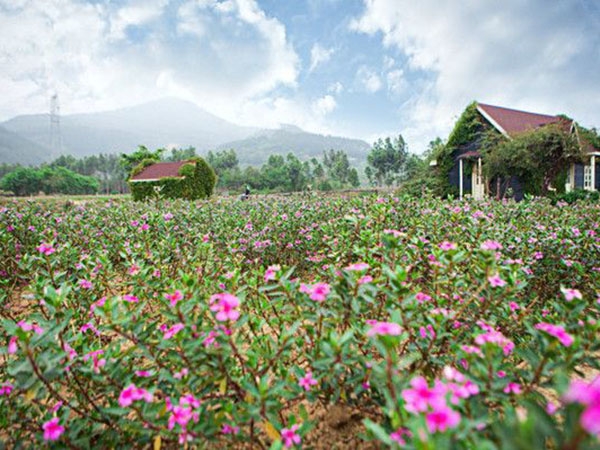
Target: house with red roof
x=466, y=173
x=192, y=179
x=157, y=171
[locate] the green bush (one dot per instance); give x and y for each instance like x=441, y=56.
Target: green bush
x=575, y=196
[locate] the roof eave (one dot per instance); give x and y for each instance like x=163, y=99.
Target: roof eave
x=491, y=120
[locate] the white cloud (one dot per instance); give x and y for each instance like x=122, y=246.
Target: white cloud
x=107, y=55
x=368, y=79
x=324, y=105
x=336, y=88
x=395, y=81
x=319, y=55
x=536, y=55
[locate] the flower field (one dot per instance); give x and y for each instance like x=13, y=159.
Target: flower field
x=430, y=324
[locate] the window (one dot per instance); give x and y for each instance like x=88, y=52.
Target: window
x=587, y=177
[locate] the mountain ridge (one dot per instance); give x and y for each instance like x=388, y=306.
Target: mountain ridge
x=168, y=122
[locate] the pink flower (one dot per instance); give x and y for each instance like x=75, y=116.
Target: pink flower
x=513, y=306
x=132, y=393
x=384, y=329
x=442, y=418
x=6, y=389
x=96, y=361
x=557, y=331
x=168, y=216
x=180, y=415
x=230, y=429
x=398, y=436
x=491, y=245
x=421, y=297
x=357, y=267
x=317, y=292
x=446, y=246
x=307, y=381
x=589, y=396
x=85, y=284
x=514, y=388
x=174, y=297
x=496, y=338
x=12, y=345
x=271, y=272
x=52, y=429
x=169, y=333
x=290, y=437
x=421, y=396
x=571, y=294
x=143, y=373
x=130, y=298
x=365, y=279
x=496, y=281
x=225, y=305
x=45, y=249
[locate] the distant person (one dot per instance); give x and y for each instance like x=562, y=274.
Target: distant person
x=246, y=194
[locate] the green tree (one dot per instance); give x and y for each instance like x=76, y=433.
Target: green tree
x=181, y=154
x=536, y=157
x=130, y=161
x=387, y=159
x=337, y=165
x=22, y=181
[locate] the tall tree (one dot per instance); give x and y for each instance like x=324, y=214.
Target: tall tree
x=386, y=160
x=130, y=161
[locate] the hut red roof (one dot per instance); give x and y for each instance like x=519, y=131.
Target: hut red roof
x=512, y=121
x=159, y=170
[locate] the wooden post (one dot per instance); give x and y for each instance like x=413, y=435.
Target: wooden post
x=460, y=179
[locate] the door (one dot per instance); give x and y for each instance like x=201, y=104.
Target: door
x=477, y=184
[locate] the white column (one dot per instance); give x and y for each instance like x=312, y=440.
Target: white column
x=460, y=179
x=593, y=163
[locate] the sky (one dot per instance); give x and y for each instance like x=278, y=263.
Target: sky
x=356, y=68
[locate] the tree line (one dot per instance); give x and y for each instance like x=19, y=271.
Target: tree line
x=388, y=163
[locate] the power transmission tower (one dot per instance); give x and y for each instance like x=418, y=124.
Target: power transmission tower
x=55, y=135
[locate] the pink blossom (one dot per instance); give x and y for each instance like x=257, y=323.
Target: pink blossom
x=12, y=345
x=85, y=284
x=513, y=306
x=168, y=216
x=45, y=249
x=317, y=292
x=130, y=298
x=571, y=294
x=491, y=245
x=421, y=297
x=181, y=374
x=398, y=436
x=441, y=419
x=52, y=429
x=271, y=272
x=557, y=331
x=420, y=396
x=6, y=389
x=496, y=281
x=97, y=304
x=496, y=338
x=143, y=373
x=230, y=429
x=132, y=393
x=365, y=279
x=225, y=305
x=384, y=329
x=590, y=419
x=357, y=267
x=174, y=297
x=512, y=388
x=446, y=246
x=180, y=415
x=307, y=381
x=97, y=362
x=290, y=437
x=169, y=333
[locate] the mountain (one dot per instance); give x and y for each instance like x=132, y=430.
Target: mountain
x=16, y=149
x=162, y=123
x=256, y=149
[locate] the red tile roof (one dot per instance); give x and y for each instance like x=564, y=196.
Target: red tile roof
x=512, y=121
x=159, y=170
